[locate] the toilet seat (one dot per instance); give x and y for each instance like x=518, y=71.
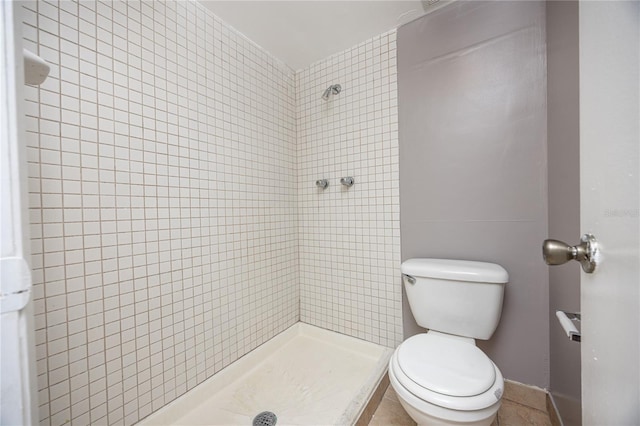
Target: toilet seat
x=446, y=365
x=406, y=359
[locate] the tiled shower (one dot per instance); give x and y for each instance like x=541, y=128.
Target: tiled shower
x=349, y=238
x=175, y=223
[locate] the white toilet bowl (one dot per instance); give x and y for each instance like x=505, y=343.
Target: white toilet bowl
x=443, y=379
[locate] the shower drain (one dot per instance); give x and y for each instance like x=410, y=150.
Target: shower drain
x=266, y=418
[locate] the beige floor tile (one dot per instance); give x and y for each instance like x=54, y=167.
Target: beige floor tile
x=512, y=414
x=390, y=412
x=525, y=395
x=391, y=394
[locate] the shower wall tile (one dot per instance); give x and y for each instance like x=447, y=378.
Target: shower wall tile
x=161, y=153
x=349, y=239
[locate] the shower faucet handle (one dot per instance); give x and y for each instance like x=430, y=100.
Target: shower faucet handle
x=347, y=181
x=322, y=183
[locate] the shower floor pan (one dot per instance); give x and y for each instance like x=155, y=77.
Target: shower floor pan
x=305, y=376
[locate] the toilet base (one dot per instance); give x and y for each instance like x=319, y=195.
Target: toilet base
x=424, y=419
x=425, y=413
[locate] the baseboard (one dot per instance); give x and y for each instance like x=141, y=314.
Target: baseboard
x=374, y=402
x=552, y=409
x=569, y=409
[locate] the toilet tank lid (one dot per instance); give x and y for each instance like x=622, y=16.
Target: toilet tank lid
x=459, y=270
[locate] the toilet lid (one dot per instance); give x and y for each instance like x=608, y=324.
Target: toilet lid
x=446, y=365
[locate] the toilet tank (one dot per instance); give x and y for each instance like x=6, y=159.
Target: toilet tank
x=458, y=297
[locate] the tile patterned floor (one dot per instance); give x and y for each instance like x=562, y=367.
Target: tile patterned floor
x=391, y=413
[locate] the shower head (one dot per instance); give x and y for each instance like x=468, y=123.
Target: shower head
x=333, y=89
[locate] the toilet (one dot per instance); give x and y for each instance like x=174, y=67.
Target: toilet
x=441, y=377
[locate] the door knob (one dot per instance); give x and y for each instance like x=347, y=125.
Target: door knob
x=556, y=252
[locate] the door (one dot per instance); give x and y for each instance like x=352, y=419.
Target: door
x=609, y=175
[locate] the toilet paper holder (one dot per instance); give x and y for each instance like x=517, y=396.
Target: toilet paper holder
x=567, y=320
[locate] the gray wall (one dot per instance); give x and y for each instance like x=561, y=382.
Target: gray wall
x=564, y=197
x=473, y=160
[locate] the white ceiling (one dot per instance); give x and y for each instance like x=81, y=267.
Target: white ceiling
x=302, y=32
